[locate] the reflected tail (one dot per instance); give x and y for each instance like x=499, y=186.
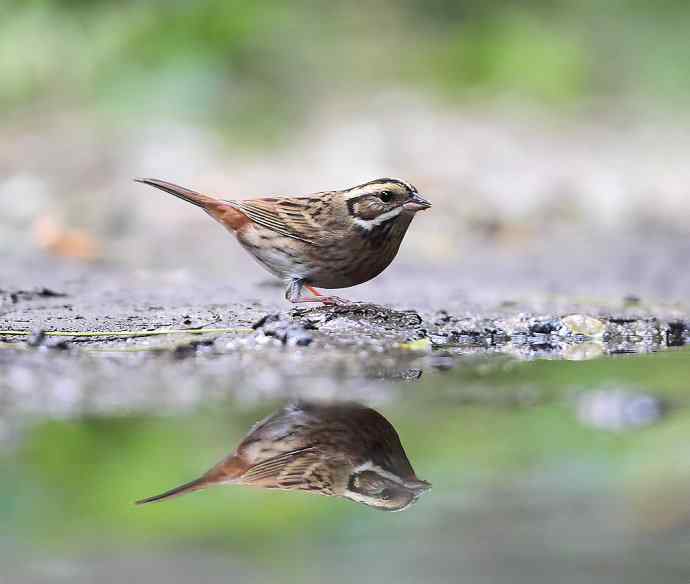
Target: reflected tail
x=196, y=485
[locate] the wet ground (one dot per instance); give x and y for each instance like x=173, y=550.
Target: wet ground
x=173, y=338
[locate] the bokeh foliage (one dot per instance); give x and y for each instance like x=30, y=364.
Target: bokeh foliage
x=226, y=59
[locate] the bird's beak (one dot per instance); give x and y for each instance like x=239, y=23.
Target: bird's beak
x=419, y=487
x=416, y=203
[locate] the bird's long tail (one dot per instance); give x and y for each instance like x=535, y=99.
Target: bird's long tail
x=198, y=199
x=195, y=485
x=226, y=471
x=221, y=211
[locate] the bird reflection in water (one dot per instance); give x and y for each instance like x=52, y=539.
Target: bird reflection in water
x=341, y=450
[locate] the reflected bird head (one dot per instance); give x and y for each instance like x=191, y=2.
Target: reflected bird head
x=381, y=490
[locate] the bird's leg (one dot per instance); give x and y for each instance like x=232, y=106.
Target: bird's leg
x=294, y=295
x=334, y=300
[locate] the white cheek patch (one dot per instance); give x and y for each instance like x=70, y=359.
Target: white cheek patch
x=369, y=224
x=360, y=498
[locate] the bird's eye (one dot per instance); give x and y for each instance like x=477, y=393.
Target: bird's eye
x=386, y=196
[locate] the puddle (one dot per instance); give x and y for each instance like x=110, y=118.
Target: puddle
x=531, y=462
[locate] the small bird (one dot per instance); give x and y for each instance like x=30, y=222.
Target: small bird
x=343, y=450
x=332, y=239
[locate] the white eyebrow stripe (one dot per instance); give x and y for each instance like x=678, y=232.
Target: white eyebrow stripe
x=409, y=186
x=369, y=224
x=369, y=465
x=355, y=194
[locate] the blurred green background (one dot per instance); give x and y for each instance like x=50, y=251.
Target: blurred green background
x=218, y=60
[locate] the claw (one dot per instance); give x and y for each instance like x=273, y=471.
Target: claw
x=334, y=300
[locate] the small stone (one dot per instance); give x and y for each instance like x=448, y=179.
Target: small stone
x=583, y=325
x=266, y=319
x=49, y=293
x=676, y=333
x=442, y=317
x=287, y=331
x=618, y=409
x=420, y=345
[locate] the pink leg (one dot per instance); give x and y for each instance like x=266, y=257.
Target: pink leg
x=294, y=295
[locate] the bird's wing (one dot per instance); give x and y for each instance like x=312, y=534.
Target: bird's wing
x=295, y=217
x=297, y=469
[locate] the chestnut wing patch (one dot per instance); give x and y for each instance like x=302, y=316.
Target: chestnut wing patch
x=291, y=217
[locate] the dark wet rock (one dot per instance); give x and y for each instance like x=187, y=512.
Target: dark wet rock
x=58, y=344
x=618, y=409
x=371, y=313
x=287, y=331
x=676, y=333
x=266, y=319
x=191, y=348
x=544, y=327
x=442, y=318
x=39, y=339
x=38, y=293
x=17, y=296
x=497, y=336
x=49, y=293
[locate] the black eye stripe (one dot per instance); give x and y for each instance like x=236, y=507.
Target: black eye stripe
x=353, y=201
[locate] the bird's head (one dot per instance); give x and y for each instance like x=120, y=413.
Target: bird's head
x=382, y=490
x=380, y=201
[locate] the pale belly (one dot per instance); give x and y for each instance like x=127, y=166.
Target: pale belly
x=339, y=266
x=275, y=252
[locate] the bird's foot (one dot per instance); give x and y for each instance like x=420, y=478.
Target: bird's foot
x=294, y=295
x=333, y=300
x=326, y=300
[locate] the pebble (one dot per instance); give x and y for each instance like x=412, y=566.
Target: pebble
x=618, y=409
x=582, y=325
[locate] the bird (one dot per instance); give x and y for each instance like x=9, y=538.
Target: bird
x=342, y=449
x=331, y=239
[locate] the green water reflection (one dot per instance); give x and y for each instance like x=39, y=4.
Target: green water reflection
x=524, y=491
